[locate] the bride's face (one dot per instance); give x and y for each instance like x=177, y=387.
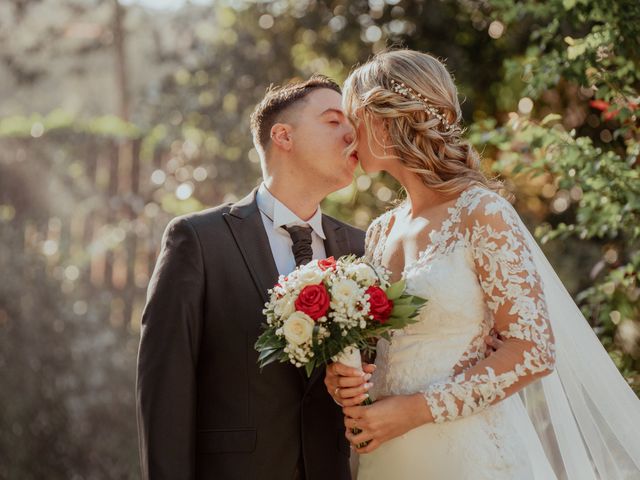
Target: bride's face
x=372, y=146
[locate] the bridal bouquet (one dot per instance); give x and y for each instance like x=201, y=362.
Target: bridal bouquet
x=329, y=310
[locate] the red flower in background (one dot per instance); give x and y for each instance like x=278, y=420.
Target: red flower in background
x=604, y=107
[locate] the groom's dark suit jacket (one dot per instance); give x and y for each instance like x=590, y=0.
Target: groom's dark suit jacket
x=205, y=410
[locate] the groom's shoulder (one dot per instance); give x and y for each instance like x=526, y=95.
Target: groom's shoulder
x=355, y=232
x=208, y=220
x=204, y=218
x=340, y=223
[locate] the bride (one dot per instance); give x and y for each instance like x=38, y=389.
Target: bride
x=548, y=402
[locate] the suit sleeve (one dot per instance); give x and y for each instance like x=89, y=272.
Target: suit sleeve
x=167, y=357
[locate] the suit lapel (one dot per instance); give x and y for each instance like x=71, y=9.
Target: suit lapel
x=337, y=242
x=247, y=228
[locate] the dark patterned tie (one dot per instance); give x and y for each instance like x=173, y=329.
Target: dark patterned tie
x=301, y=247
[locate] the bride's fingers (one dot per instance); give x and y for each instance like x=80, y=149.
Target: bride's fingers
x=368, y=367
x=354, y=391
x=350, y=382
x=341, y=369
x=353, y=401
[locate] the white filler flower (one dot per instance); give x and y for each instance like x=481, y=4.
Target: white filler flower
x=345, y=290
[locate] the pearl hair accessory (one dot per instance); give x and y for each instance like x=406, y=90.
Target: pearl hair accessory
x=408, y=92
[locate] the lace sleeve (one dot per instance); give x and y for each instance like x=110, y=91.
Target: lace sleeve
x=513, y=294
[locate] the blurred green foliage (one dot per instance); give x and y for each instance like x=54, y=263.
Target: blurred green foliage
x=576, y=137
x=550, y=94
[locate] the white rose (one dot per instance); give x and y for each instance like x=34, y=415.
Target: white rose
x=284, y=307
x=310, y=276
x=345, y=290
x=298, y=328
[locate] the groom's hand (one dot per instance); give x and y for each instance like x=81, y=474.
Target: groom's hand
x=493, y=341
x=346, y=385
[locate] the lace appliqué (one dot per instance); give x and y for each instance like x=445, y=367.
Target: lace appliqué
x=513, y=294
x=373, y=246
x=477, y=351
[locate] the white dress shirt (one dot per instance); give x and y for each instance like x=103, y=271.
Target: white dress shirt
x=275, y=215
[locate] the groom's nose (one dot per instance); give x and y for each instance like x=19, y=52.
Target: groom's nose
x=349, y=136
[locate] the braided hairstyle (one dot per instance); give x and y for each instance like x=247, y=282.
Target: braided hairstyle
x=416, y=99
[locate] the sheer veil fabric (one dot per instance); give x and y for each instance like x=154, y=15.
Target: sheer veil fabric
x=585, y=414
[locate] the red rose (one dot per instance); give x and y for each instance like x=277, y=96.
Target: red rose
x=379, y=305
x=327, y=263
x=313, y=300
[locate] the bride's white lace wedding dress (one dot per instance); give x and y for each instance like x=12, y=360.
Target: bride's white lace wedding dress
x=477, y=272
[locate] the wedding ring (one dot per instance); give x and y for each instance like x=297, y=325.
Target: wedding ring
x=335, y=392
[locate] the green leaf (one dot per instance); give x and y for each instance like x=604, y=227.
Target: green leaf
x=270, y=358
x=418, y=301
x=261, y=343
x=395, y=290
x=264, y=353
x=550, y=118
x=574, y=51
x=405, y=300
x=309, y=367
x=402, y=310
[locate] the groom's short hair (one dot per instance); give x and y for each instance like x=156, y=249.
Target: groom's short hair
x=280, y=98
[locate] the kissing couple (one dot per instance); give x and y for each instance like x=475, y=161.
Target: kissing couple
x=538, y=399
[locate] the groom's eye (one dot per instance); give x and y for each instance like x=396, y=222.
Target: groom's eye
x=334, y=122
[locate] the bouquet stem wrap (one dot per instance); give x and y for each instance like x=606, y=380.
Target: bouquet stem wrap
x=351, y=357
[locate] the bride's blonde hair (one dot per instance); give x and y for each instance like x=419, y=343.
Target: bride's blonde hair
x=417, y=100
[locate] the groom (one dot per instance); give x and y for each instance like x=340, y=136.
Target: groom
x=205, y=410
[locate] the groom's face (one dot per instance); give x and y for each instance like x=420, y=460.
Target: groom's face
x=321, y=134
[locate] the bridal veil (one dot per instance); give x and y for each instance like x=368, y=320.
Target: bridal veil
x=585, y=414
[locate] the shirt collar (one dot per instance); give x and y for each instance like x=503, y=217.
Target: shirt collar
x=281, y=215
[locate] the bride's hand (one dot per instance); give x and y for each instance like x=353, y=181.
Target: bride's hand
x=347, y=386
x=385, y=419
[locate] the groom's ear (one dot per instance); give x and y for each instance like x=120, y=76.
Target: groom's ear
x=281, y=136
